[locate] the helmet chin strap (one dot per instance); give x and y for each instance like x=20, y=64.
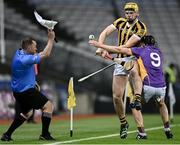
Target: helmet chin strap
x=130, y=21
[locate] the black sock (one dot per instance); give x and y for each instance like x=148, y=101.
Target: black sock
x=46, y=119
x=18, y=121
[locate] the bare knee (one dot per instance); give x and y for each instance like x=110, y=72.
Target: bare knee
x=48, y=107
x=161, y=103
x=134, y=73
x=117, y=98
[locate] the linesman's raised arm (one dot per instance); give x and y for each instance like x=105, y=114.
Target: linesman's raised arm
x=102, y=37
x=47, y=50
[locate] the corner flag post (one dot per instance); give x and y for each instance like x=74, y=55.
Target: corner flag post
x=71, y=103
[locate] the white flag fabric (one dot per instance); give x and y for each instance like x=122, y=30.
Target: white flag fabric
x=172, y=101
x=49, y=24
x=171, y=95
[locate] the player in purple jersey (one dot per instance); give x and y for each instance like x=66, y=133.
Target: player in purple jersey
x=151, y=72
x=152, y=60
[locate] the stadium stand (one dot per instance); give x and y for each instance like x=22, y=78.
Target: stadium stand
x=90, y=17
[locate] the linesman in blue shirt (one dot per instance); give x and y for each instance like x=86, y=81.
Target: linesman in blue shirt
x=24, y=86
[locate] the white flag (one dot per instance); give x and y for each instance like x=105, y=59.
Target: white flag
x=171, y=95
x=172, y=101
x=49, y=24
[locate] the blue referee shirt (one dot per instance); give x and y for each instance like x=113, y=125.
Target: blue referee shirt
x=23, y=73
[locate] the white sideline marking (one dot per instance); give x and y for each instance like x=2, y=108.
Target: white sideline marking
x=106, y=136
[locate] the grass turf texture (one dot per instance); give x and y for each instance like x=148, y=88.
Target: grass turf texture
x=95, y=127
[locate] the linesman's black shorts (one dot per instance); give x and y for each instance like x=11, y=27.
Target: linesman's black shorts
x=30, y=99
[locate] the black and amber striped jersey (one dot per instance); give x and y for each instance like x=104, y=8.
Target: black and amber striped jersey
x=126, y=30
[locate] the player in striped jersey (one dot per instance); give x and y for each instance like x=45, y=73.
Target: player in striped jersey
x=130, y=30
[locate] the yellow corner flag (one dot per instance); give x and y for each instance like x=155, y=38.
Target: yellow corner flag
x=71, y=95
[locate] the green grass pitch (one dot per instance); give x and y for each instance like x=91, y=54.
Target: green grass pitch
x=95, y=130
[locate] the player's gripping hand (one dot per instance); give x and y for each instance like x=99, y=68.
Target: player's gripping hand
x=51, y=34
x=100, y=52
x=106, y=55
x=103, y=53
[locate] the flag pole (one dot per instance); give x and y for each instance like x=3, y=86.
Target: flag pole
x=71, y=122
x=125, y=96
x=2, y=29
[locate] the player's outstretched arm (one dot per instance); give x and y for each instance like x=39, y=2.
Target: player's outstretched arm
x=47, y=50
x=102, y=37
x=111, y=49
x=133, y=40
